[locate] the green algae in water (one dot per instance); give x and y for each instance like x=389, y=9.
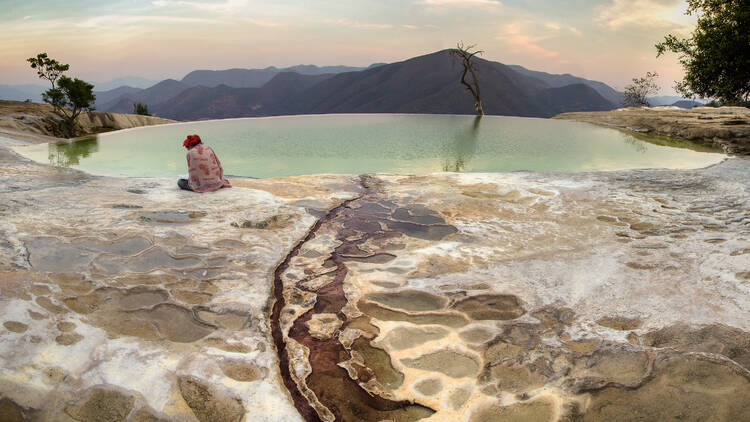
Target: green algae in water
x=368, y=143
x=67, y=154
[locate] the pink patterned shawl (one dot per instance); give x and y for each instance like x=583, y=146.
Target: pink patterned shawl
x=204, y=168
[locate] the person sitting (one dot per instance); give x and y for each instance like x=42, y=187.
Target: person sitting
x=205, y=173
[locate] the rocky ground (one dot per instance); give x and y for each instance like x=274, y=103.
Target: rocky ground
x=612, y=296
x=30, y=121
x=727, y=127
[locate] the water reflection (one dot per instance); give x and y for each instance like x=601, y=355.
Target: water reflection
x=636, y=140
x=353, y=144
x=636, y=143
x=66, y=154
x=464, y=147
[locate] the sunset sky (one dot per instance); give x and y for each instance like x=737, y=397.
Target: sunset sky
x=608, y=40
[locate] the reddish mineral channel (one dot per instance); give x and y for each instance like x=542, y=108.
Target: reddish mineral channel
x=365, y=219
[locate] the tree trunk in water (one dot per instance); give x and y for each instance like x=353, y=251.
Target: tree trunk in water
x=466, y=57
x=473, y=89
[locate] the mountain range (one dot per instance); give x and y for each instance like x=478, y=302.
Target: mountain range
x=559, y=81
x=424, y=84
x=256, y=78
x=33, y=92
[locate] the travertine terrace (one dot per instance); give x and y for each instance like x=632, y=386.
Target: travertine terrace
x=725, y=127
x=446, y=297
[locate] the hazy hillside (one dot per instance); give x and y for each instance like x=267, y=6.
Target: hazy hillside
x=277, y=97
x=201, y=102
x=22, y=92
x=108, y=90
x=425, y=84
x=558, y=81
x=238, y=78
x=286, y=87
x=575, y=97
x=686, y=104
x=663, y=100
x=105, y=99
x=132, y=81
x=156, y=94
x=255, y=78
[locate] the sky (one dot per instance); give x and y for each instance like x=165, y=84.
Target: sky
x=607, y=40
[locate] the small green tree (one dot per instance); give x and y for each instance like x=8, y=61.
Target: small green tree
x=47, y=68
x=716, y=57
x=68, y=96
x=69, y=99
x=637, y=93
x=141, y=109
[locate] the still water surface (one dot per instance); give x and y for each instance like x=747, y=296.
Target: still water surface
x=418, y=144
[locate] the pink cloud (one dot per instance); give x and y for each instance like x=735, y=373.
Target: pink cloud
x=526, y=45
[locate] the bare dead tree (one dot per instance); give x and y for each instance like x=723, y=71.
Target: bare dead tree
x=466, y=55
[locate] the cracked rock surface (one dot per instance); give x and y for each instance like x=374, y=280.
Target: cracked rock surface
x=447, y=297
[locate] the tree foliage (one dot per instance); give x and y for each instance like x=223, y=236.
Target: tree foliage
x=47, y=68
x=141, y=109
x=465, y=55
x=68, y=96
x=716, y=57
x=637, y=93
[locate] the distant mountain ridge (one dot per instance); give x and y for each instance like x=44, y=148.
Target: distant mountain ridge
x=424, y=84
x=256, y=78
x=688, y=104
x=558, y=81
x=121, y=99
x=132, y=81
x=33, y=92
x=663, y=100
x=23, y=92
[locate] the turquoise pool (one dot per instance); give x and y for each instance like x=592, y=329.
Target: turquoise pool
x=371, y=143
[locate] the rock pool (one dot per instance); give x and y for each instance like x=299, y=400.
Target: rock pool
x=376, y=143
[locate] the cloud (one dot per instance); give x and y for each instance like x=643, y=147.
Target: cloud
x=554, y=26
x=620, y=14
x=262, y=23
x=357, y=24
x=233, y=10
x=526, y=45
x=519, y=38
x=492, y=3
x=225, y=7
x=112, y=22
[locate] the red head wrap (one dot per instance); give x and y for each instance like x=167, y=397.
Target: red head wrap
x=191, y=141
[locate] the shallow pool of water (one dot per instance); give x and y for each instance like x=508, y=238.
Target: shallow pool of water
x=370, y=143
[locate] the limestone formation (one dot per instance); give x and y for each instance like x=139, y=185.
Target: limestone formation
x=31, y=120
x=725, y=127
x=475, y=297
x=209, y=403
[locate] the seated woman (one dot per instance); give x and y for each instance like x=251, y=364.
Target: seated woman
x=204, y=169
